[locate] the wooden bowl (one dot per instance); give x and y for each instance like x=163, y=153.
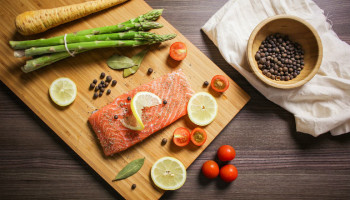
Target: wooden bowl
x=299, y=31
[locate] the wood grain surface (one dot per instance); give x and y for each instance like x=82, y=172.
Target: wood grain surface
x=71, y=123
x=274, y=161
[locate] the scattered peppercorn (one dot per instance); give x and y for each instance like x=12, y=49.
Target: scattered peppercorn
x=106, y=84
x=164, y=141
x=279, y=58
x=95, y=95
x=94, y=81
x=99, y=86
x=165, y=102
x=206, y=83
x=96, y=88
x=102, y=75
x=92, y=86
x=129, y=98
x=150, y=70
x=102, y=89
x=108, y=91
x=100, y=94
x=115, y=116
x=114, y=82
x=102, y=82
x=133, y=186
x=108, y=79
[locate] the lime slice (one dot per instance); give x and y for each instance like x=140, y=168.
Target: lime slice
x=202, y=108
x=168, y=173
x=138, y=102
x=63, y=91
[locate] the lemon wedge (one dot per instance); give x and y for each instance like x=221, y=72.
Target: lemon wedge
x=138, y=102
x=168, y=173
x=63, y=91
x=202, y=108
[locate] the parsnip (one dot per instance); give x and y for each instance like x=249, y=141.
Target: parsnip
x=32, y=22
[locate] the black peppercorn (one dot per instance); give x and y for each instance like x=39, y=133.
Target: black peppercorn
x=114, y=82
x=108, y=91
x=99, y=86
x=133, y=186
x=108, y=79
x=164, y=141
x=150, y=70
x=102, y=75
x=96, y=88
x=92, y=85
x=165, y=102
x=95, y=95
x=115, y=116
x=129, y=98
x=100, y=94
x=102, y=89
x=102, y=82
x=206, y=83
x=94, y=81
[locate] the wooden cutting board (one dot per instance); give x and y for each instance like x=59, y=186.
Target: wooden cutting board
x=71, y=124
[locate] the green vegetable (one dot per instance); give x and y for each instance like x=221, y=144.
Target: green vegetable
x=131, y=35
x=137, y=60
x=130, y=169
x=45, y=60
x=120, y=62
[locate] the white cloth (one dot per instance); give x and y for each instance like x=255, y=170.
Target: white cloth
x=319, y=106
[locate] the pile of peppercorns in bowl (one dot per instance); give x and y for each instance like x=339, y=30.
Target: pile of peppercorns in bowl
x=280, y=58
x=284, y=51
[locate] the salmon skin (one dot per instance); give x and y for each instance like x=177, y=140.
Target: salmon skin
x=114, y=137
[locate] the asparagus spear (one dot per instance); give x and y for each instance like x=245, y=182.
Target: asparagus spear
x=45, y=60
x=131, y=35
x=74, y=47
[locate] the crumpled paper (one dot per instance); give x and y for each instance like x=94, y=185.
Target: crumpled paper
x=319, y=106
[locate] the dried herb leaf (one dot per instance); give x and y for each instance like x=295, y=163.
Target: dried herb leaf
x=137, y=59
x=120, y=62
x=130, y=169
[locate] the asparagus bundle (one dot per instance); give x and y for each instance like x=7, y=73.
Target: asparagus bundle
x=129, y=33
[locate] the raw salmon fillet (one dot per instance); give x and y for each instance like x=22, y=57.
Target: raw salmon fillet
x=114, y=137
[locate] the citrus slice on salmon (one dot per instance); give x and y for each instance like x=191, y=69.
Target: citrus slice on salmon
x=138, y=103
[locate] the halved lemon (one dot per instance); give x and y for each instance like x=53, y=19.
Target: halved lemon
x=63, y=91
x=168, y=173
x=202, y=108
x=138, y=102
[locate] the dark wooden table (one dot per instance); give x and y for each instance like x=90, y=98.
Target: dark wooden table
x=274, y=161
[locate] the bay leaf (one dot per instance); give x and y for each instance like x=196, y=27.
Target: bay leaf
x=120, y=62
x=137, y=59
x=130, y=169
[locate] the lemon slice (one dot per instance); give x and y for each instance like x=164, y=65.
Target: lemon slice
x=138, y=102
x=63, y=91
x=168, y=173
x=202, y=108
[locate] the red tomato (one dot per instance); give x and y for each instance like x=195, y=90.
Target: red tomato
x=219, y=83
x=181, y=136
x=198, y=136
x=228, y=173
x=226, y=153
x=210, y=169
x=178, y=51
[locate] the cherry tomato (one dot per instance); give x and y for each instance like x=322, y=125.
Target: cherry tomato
x=228, y=173
x=178, y=51
x=226, y=153
x=181, y=136
x=219, y=83
x=210, y=169
x=198, y=136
